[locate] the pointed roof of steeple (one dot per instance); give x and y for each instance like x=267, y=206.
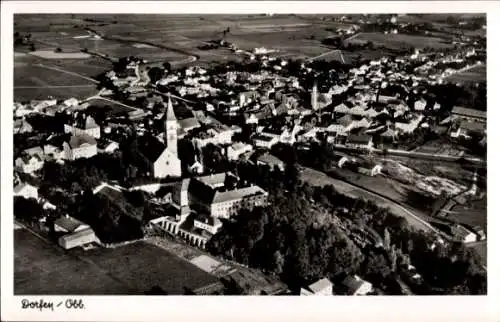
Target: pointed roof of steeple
x=170, y=110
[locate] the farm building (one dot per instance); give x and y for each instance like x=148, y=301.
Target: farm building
x=77, y=239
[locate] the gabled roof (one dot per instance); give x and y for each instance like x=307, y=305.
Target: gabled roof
x=69, y=223
x=77, y=141
x=320, y=285
x=151, y=148
x=353, y=283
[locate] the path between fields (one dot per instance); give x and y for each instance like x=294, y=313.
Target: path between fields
x=67, y=72
x=328, y=53
x=312, y=177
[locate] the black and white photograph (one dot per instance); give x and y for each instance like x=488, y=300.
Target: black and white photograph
x=282, y=154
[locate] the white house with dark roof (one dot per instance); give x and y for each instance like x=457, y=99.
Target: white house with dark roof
x=81, y=146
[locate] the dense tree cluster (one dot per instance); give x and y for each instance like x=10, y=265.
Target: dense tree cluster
x=306, y=233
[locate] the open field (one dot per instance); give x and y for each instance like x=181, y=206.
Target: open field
x=49, y=54
x=42, y=268
x=40, y=82
x=290, y=34
x=399, y=41
x=471, y=215
x=113, y=108
x=476, y=74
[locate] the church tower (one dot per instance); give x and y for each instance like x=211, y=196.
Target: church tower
x=171, y=128
x=314, y=97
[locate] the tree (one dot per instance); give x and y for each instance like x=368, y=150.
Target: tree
x=155, y=74
x=28, y=210
x=167, y=66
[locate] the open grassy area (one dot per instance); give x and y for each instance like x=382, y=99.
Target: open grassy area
x=112, y=107
x=476, y=74
x=37, y=82
x=42, y=268
x=398, y=41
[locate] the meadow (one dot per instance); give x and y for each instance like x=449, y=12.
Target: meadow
x=127, y=270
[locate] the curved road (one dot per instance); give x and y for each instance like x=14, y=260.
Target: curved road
x=317, y=178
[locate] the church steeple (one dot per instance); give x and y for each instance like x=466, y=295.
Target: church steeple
x=314, y=97
x=170, y=110
x=171, y=128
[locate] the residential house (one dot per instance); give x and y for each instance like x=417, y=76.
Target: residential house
x=23, y=189
x=107, y=146
x=463, y=234
x=82, y=146
x=321, y=287
x=420, y=105
x=217, y=134
x=70, y=102
x=369, y=168
x=265, y=140
x=29, y=163
x=87, y=126
x=342, y=108
x=22, y=126
x=354, y=285
x=408, y=125
x=235, y=150
x=359, y=141
x=271, y=161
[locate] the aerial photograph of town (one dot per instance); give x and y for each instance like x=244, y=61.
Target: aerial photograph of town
x=250, y=154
